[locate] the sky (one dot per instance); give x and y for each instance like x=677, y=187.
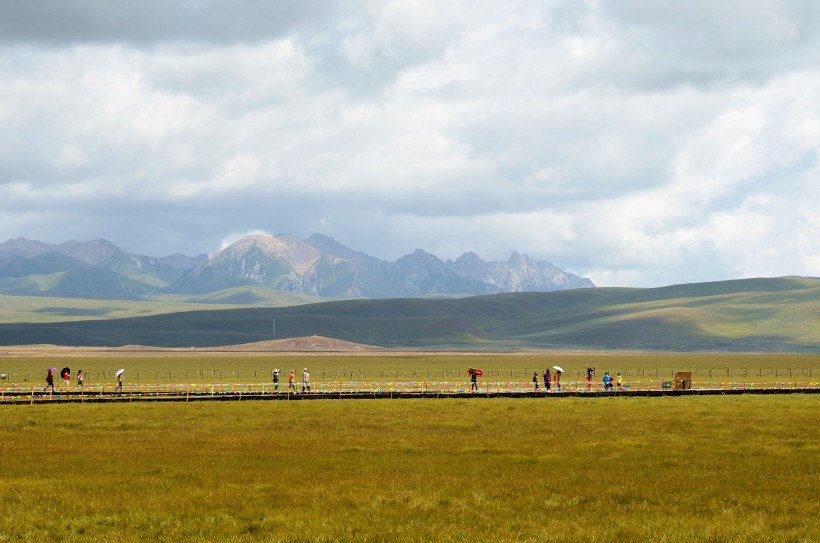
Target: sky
x=635, y=142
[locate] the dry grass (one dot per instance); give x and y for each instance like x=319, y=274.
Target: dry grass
x=669, y=469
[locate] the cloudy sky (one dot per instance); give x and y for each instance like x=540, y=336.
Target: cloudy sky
x=636, y=142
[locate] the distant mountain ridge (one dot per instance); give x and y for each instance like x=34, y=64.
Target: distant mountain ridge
x=319, y=266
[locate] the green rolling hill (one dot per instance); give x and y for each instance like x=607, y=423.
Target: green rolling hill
x=42, y=309
x=767, y=315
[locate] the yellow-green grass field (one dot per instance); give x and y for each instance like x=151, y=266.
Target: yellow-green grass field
x=682, y=469
x=15, y=309
x=40, y=309
x=408, y=371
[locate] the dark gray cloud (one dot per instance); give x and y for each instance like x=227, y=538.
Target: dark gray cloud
x=711, y=43
x=58, y=23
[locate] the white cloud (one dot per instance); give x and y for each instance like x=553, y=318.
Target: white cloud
x=237, y=173
x=638, y=143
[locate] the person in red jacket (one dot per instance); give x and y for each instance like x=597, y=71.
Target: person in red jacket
x=49, y=382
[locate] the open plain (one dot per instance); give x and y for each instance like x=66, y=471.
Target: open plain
x=721, y=468
x=662, y=469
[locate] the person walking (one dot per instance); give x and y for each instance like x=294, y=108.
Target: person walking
x=306, y=380
x=80, y=379
x=50, y=381
x=276, y=379
x=119, y=380
x=619, y=381
x=65, y=375
x=535, y=380
x=291, y=381
x=558, y=379
x=547, y=379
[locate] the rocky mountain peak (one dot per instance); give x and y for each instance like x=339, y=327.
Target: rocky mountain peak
x=518, y=260
x=420, y=256
x=294, y=251
x=95, y=252
x=24, y=247
x=318, y=266
x=468, y=259
x=330, y=246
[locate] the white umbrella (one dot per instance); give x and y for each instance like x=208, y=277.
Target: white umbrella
x=119, y=372
x=559, y=368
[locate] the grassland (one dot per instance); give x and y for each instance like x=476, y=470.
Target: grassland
x=503, y=371
x=36, y=309
x=763, y=315
x=618, y=469
x=46, y=309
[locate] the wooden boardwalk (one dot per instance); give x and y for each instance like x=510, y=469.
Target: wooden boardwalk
x=97, y=396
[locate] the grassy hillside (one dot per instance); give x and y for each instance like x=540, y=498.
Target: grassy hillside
x=55, y=274
x=241, y=296
x=770, y=315
x=44, y=309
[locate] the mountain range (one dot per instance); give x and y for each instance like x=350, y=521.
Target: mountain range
x=318, y=266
